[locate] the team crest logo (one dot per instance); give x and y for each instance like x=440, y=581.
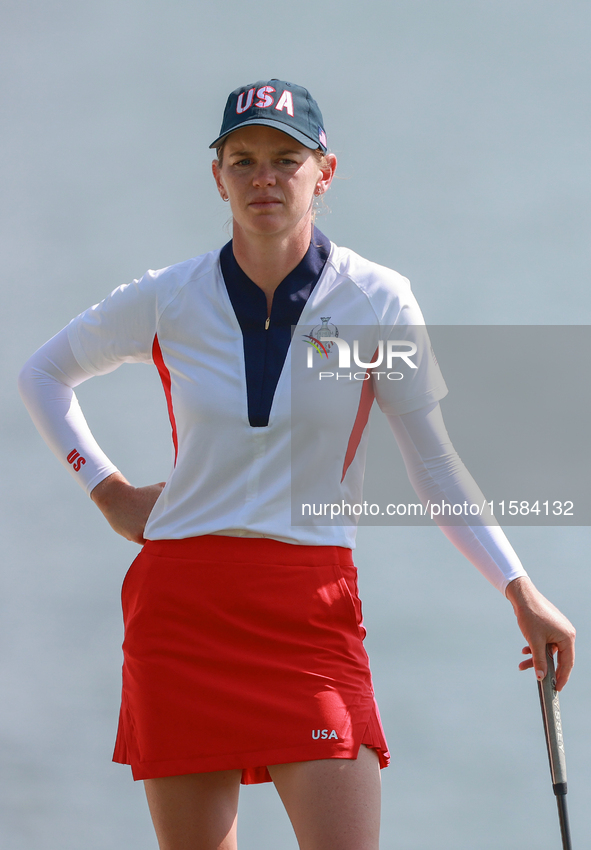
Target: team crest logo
x=321, y=337
x=321, y=136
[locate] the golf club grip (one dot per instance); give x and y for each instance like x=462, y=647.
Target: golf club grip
x=553, y=726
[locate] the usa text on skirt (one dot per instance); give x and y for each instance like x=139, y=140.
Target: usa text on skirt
x=240, y=653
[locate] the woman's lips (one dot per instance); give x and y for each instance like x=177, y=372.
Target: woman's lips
x=264, y=202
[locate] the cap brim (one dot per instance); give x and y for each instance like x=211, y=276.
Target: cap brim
x=277, y=125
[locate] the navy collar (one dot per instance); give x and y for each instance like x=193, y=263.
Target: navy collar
x=265, y=349
x=250, y=302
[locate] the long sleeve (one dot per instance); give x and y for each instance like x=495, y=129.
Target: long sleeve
x=46, y=385
x=437, y=474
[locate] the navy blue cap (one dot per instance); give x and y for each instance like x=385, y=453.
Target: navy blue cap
x=275, y=103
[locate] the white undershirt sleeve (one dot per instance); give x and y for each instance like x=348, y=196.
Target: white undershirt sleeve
x=46, y=384
x=438, y=474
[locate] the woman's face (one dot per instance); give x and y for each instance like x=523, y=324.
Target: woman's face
x=270, y=180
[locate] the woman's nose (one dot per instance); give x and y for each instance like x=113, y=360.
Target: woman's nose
x=264, y=175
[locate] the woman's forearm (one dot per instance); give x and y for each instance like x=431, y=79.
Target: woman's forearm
x=46, y=384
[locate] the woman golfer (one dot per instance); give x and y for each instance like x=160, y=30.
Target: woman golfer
x=243, y=653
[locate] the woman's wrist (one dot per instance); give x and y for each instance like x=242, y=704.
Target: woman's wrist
x=519, y=590
x=109, y=490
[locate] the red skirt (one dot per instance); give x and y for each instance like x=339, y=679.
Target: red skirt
x=240, y=653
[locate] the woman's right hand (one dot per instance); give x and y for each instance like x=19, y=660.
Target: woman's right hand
x=125, y=507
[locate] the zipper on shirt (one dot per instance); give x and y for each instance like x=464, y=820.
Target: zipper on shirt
x=267, y=322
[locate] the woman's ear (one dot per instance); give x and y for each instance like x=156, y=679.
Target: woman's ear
x=327, y=169
x=216, y=171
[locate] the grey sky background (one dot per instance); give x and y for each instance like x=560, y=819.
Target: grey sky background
x=462, y=130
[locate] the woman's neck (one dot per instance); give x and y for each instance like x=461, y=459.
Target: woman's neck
x=267, y=260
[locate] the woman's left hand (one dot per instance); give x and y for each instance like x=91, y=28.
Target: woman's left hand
x=542, y=624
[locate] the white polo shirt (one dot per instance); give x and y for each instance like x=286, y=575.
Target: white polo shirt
x=230, y=477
